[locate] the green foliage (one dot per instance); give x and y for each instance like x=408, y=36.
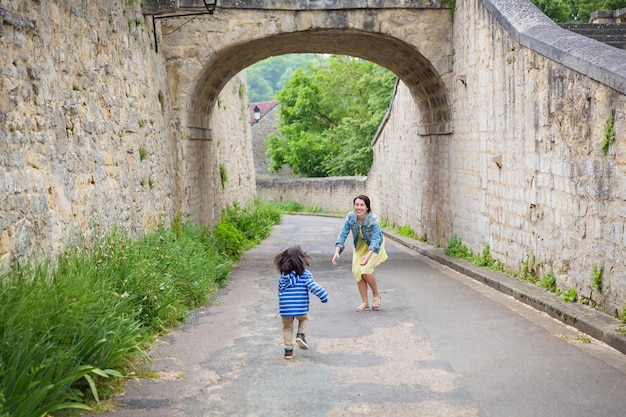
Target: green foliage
x=530, y=270
x=405, y=230
x=267, y=77
x=575, y=10
x=549, y=282
x=161, y=98
x=609, y=133
x=254, y=222
x=294, y=207
x=456, y=248
x=596, y=277
x=143, y=152
x=223, y=175
x=69, y=331
x=229, y=239
x=452, y=4
x=484, y=258
x=570, y=296
x=329, y=115
x=289, y=206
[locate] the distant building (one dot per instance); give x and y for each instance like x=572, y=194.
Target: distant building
x=261, y=129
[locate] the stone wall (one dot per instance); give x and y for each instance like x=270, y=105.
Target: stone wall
x=87, y=140
x=332, y=194
x=524, y=171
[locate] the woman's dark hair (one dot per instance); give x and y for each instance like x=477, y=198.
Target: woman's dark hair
x=292, y=259
x=365, y=198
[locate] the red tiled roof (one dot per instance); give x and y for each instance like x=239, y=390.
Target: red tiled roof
x=265, y=107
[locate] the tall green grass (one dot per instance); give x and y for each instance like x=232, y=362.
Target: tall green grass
x=68, y=328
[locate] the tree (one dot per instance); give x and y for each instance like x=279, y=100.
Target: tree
x=267, y=77
x=329, y=115
x=575, y=10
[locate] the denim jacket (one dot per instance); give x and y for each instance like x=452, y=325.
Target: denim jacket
x=371, y=231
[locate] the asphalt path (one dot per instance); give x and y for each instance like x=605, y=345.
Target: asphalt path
x=442, y=344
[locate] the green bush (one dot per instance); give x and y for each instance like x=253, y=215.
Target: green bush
x=570, y=296
x=229, y=239
x=457, y=249
x=548, y=282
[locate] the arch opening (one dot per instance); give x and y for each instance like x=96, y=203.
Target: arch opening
x=420, y=76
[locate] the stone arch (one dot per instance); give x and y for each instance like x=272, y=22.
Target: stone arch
x=409, y=64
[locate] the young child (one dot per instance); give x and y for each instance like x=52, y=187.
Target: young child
x=293, y=294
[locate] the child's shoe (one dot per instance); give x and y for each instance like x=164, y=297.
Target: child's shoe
x=301, y=341
x=288, y=353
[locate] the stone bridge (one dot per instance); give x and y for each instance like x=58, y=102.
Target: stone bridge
x=411, y=38
x=505, y=129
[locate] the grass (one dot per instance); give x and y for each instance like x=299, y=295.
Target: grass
x=70, y=331
x=295, y=207
x=143, y=152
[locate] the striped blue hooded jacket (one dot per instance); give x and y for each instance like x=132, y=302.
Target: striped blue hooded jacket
x=293, y=293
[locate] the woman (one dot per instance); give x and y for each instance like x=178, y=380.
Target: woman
x=369, y=249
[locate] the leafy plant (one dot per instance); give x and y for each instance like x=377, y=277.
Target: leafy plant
x=456, y=248
x=609, y=133
x=570, y=296
x=530, y=269
x=596, y=277
x=548, y=282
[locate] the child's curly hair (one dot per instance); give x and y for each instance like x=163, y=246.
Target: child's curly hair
x=292, y=259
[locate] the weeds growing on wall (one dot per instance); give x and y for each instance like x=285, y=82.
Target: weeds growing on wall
x=548, y=282
x=570, y=295
x=70, y=331
x=596, y=277
x=456, y=248
x=404, y=230
x=622, y=316
x=223, y=175
x=609, y=133
x=452, y=4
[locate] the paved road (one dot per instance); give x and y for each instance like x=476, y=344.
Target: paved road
x=442, y=345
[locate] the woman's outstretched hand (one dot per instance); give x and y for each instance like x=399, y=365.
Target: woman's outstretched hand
x=335, y=257
x=366, y=258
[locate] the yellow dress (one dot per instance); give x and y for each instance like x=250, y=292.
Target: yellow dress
x=359, y=252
